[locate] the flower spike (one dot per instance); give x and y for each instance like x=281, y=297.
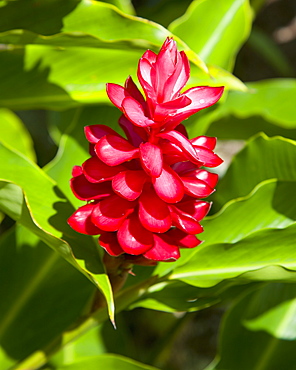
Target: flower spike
x=144, y=192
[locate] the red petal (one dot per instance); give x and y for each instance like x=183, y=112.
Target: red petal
x=133, y=110
x=94, y=133
x=201, y=97
x=97, y=171
x=182, y=142
x=150, y=56
x=114, y=150
x=109, y=242
x=144, y=70
x=207, y=157
x=182, y=239
x=182, y=129
x=163, y=110
x=196, y=188
x=168, y=186
x=76, y=171
x=154, y=213
x=133, y=90
x=209, y=178
x=196, y=208
x=183, y=167
x=133, y=237
x=204, y=141
x=178, y=79
x=85, y=190
x=129, y=184
x=110, y=213
x=116, y=94
x=185, y=222
x=81, y=222
x=162, y=250
x=151, y=159
x=135, y=135
x=164, y=68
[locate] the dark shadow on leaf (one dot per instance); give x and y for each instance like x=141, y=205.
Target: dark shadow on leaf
x=283, y=199
x=29, y=88
x=83, y=246
x=40, y=16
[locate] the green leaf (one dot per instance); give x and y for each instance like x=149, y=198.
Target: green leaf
x=265, y=158
x=43, y=293
x=124, y=5
x=212, y=264
x=259, y=331
x=44, y=210
x=175, y=297
x=244, y=114
x=5, y=361
x=105, y=44
x=215, y=31
x=233, y=248
x=15, y=134
x=108, y=362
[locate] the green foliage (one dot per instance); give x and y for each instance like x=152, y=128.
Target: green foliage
x=224, y=26
x=263, y=322
x=57, y=55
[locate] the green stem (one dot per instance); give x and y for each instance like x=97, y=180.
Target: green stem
x=123, y=299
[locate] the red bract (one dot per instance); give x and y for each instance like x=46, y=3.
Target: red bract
x=144, y=191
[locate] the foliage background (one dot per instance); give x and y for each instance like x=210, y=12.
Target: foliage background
x=227, y=305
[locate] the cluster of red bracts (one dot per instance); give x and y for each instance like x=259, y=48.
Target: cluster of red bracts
x=144, y=192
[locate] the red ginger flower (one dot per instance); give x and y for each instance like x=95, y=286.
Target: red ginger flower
x=144, y=192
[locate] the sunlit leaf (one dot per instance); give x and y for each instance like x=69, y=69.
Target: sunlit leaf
x=262, y=158
x=105, y=44
x=231, y=248
x=266, y=106
x=175, y=297
x=44, y=210
x=124, y=5
x=108, y=362
x=216, y=32
x=259, y=331
x=216, y=262
x=15, y=134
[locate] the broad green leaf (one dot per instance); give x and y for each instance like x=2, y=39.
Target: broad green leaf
x=212, y=264
x=124, y=5
x=90, y=344
x=268, y=206
x=243, y=114
x=266, y=211
x=107, y=362
x=43, y=294
x=15, y=134
x=264, y=158
x=215, y=30
x=44, y=210
x=259, y=330
x=46, y=76
x=175, y=297
x=5, y=361
x=105, y=44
